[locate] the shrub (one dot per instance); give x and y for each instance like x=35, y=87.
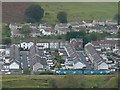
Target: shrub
x=44, y=73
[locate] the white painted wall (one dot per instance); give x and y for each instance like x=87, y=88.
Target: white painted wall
x=14, y=65
x=103, y=66
x=37, y=66
x=24, y=45
x=79, y=65
x=45, y=45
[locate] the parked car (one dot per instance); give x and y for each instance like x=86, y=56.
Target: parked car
x=8, y=73
x=87, y=59
x=86, y=72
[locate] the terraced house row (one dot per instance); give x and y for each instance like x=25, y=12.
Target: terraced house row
x=49, y=56
x=62, y=28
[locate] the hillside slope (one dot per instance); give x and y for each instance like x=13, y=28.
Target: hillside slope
x=14, y=11
x=80, y=10
x=59, y=81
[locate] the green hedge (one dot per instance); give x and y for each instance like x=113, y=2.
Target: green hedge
x=44, y=73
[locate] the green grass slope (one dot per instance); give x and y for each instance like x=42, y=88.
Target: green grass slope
x=59, y=81
x=14, y=11
x=79, y=10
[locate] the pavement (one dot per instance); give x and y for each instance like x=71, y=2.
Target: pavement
x=24, y=59
x=83, y=59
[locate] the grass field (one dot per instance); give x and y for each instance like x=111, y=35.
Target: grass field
x=75, y=11
x=48, y=81
x=79, y=10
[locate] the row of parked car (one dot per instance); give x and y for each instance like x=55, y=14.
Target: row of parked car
x=85, y=72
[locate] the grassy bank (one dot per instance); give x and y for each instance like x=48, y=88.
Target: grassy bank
x=75, y=11
x=59, y=81
x=79, y=10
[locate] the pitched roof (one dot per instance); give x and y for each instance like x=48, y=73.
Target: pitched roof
x=74, y=23
x=14, y=52
x=33, y=50
x=73, y=54
x=16, y=31
x=14, y=61
x=92, y=51
x=38, y=59
x=35, y=31
x=76, y=39
x=62, y=25
x=105, y=42
x=41, y=52
x=44, y=26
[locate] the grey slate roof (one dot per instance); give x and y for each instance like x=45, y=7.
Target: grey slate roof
x=73, y=54
x=14, y=53
x=33, y=50
x=36, y=56
x=38, y=59
x=41, y=52
x=92, y=51
x=106, y=42
x=16, y=32
x=14, y=61
x=43, y=61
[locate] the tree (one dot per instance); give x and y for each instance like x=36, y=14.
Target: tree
x=6, y=31
x=74, y=34
x=62, y=17
x=34, y=13
x=117, y=17
x=94, y=36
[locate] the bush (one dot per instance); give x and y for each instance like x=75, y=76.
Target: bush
x=44, y=73
x=6, y=31
x=27, y=71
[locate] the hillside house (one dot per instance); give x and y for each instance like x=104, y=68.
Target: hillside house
x=76, y=43
x=62, y=28
x=88, y=23
x=76, y=26
x=16, y=33
x=107, y=44
x=35, y=32
x=15, y=26
x=47, y=32
x=44, y=26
